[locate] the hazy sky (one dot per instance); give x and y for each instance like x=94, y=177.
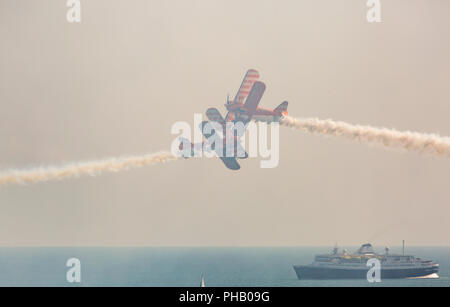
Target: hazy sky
x=115, y=83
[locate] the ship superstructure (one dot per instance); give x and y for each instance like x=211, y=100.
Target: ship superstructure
x=343, y=265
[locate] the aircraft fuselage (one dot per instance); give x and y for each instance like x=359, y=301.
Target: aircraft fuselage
x=261, y=114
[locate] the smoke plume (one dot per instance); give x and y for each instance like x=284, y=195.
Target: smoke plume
x=77, y=169
x=421, y=142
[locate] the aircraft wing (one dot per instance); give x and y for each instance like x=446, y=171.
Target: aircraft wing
x=253, y=99
x=249, y=79
x=231, y=163
x=214, y=115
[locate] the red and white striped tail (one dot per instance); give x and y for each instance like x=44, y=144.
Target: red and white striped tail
x=250, y=78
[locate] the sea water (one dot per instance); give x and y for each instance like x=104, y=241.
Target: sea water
x=183, y=266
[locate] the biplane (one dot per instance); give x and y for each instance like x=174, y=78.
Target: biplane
x=237, y=110
x=226, y=143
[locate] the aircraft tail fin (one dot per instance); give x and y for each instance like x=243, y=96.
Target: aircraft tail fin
x=282, y=108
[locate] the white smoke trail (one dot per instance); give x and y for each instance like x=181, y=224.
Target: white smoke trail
x=426, y=143
x=82, y=168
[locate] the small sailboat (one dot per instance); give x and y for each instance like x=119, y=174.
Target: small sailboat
x=202, y=283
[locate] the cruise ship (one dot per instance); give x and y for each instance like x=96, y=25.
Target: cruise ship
x=342, y=265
